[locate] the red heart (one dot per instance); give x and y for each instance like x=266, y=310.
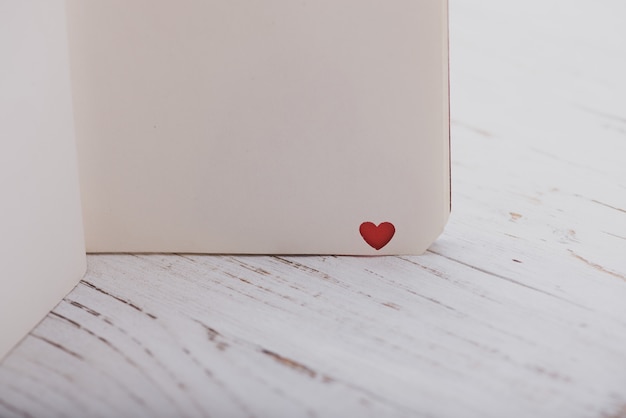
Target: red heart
x=377, y=236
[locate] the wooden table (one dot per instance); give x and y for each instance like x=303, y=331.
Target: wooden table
x=518, y=310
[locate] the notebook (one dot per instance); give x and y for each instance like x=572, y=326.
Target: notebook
x=215, y=126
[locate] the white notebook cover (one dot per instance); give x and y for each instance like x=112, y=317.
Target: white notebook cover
x=42, y=253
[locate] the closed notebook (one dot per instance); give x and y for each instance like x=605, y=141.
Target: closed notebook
x=273, y=126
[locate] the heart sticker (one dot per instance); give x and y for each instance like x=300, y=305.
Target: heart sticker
x=377, y=236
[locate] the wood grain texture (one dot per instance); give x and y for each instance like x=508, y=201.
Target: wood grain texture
x=518, y=310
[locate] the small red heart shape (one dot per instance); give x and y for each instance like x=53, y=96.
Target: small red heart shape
x=377, y=236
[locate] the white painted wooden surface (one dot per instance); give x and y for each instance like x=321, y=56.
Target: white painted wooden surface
x=518, y=310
